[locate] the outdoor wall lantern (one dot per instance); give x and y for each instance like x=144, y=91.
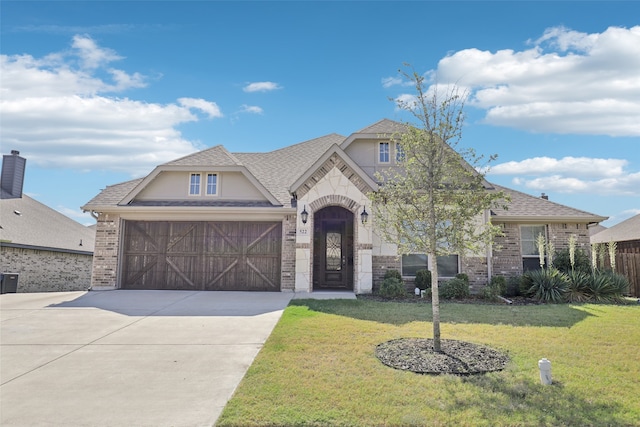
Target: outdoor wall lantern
x=364, y=216
x=304, y=215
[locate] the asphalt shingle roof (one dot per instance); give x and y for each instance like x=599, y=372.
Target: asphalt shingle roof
x=112, y=195
x=27, y=222
x=217, y=156
x=523, y=205
x=628, y=229
x=384, y=126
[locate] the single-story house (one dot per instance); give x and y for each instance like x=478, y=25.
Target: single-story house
x=47, y=250
x=293, y=219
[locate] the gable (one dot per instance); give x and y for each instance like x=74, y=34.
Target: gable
x=334, y=158
x=174, y=185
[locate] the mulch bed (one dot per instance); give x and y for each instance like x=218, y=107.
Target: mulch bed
x=457, y=357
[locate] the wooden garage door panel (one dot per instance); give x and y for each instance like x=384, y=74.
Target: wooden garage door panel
x=202, y=255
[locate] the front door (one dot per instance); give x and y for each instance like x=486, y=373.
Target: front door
x=333, y=249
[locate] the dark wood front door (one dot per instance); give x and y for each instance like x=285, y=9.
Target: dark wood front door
x=333, y=249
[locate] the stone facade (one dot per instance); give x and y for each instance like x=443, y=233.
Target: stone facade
x=334, y=184
x=47, y=271
x=105, y=270
x=288, y=269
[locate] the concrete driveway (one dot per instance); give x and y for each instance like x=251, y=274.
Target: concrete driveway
x=128, y=358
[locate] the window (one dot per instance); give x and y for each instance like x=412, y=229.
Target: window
x=530, y=254
x=212, y=184
x=448, y=265
x=194, y=184
x=400, y=155
x=412, y=263
x=383, y=156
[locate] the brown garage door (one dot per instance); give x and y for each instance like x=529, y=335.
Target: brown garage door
x=202, y=255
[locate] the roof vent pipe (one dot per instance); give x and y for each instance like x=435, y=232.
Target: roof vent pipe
x=544, y=196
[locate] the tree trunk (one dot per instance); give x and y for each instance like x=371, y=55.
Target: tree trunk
x=435, y=303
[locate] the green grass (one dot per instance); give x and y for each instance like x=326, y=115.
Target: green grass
x=318, y=367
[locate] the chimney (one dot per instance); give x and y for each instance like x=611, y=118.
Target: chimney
x=544, y=196
x=12, y=180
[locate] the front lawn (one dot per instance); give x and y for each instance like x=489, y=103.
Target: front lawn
x=319, y=368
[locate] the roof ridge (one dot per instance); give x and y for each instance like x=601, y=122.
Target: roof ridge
x=288, y=147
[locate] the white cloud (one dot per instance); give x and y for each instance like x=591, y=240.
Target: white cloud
x=251, y=109
x=623, y=185
x=577, y=175
x=60, y=111
x=567, y=82
x=261, y=87
x=210, y=108
x=577, y=166
x=392, y=81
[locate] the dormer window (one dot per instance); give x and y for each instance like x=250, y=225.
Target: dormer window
x=212, y=184
x=194, y=184
x=383, y=152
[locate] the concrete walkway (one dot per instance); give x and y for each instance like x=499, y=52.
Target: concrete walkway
x=128, y=358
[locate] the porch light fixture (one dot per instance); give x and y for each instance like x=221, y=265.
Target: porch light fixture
x=304, y=215
x=364, y=216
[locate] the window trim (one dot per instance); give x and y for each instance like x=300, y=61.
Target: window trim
x=380, y=152
x=191, y=184
x=217, y=185
x=536, y=257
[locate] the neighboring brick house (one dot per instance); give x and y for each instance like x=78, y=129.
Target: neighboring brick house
x=48, y=251
x=292, y=219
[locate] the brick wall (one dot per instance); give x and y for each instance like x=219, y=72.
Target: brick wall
x=288, y=273
x=476, y=269
x=559, y=235
x=380, y=266
x=105, y=254
x=47, y=271
x=507, y=257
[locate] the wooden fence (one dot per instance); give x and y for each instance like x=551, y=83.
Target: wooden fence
x=629, y=265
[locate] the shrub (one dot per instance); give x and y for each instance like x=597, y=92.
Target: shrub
x=619, y=283
x=547, y=285
x=562, y=261
x=454, y=288
x=392, y=288
x=463, y=276
x=393, y=274
x=601, y=287
x=514, y=287
x=423, y=279
x=578, y=286
x=495, y=288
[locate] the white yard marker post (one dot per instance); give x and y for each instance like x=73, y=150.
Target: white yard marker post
x=545, y=371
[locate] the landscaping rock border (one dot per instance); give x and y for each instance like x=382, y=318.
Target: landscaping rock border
x=457, y=357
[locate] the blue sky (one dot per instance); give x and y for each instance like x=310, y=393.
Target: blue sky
x=95, y=93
